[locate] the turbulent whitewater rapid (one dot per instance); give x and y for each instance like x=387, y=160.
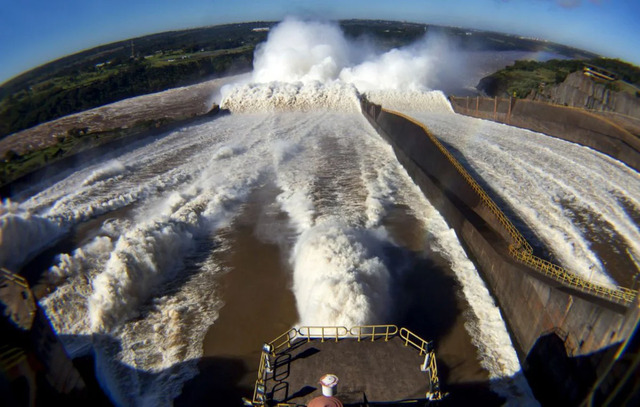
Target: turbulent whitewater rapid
x=149, y=224
x=140, y=288
x=580, y=203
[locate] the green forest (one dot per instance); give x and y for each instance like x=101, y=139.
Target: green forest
x=55, y=98
x=522, y=77
x=125, y=69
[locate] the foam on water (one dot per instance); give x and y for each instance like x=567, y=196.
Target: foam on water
x=67, y=306
x=381, y=184
x=339, y=278
x=334, y=256
x=345, y=240
x=110, y=170
x=298, y=96
x=538, y=176
x=71, y=265
x=23, y=234
x=335, y=205
x=484, y=322
x=152, y=251
x=124, y=271
x=141, y=292
x=425, y=101
x=142, y=258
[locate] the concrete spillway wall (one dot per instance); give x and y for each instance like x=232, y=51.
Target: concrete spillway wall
x=534, y=305
x=568, y=123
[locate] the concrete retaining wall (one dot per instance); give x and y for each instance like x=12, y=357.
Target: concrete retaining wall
x=582, y=91
x=47, y=374
x=567, y=123
x=532, y=304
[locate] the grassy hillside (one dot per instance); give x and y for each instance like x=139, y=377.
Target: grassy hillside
x=521, y=78
x=124, y=69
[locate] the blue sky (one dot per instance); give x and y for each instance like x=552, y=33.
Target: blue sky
x=33, y=32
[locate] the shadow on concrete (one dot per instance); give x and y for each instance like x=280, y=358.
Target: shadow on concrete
x=305, y=391
x=557, y=378
x=222, y=381
x=306, y=354
x=219, y=381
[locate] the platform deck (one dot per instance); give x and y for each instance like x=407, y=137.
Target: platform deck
x=380, y=371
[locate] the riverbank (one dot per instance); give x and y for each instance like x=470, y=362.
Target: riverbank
x=36, y=148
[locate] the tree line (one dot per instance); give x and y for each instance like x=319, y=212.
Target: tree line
x=135, y=78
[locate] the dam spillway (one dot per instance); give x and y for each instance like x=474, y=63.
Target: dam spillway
x=168, y=224
x=167, y=262
x=570, y=310
x=160, y=234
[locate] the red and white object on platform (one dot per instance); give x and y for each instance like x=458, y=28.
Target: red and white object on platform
x=324, y=401
x=329, y=384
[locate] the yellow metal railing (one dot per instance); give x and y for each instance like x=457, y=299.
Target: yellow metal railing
x=432, y=370
x=414, y=340
x=425, y=348
x=374, y=331
x=10, y=356
x=323, y=332
x=259, y=390
x=519, y=248
x=594, y=113
x=515, y=235
x=19, y=280
x=283, y=340
x=618, y=294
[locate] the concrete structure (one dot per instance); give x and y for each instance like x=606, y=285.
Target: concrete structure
x=592, y=88
x=35, y=369
x=568, y=123
x=541, y=310
x=380, y=371
x=568, y=335
x=377, y=364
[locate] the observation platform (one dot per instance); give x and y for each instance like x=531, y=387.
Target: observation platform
x=374, y=364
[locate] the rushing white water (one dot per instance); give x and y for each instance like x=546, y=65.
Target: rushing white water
x=140, y=288
x=484, y=324
x=119, y=283
x=298, y=96
x=339, y=277
x=21, y=234
x=433, y=101
x=546, y=181
x=337, y=179
x=308, y=52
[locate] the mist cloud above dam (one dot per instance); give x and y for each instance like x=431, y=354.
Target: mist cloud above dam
x=305, y=52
